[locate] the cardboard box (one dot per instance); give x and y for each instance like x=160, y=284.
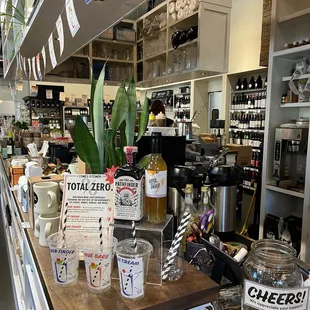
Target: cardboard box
x=16, y=172
x=244, y=153
x=82, y=167
x=30, y=200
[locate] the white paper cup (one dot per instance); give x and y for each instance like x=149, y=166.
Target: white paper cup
x=98, y=264
x=65, y=259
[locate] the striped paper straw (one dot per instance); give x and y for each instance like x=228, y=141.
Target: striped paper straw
x=175, y=244
x=100, y=232
x=133, y=227
x=64, y=225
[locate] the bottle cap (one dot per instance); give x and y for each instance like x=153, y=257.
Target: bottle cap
x=188, y=190
x=204, y=189
x=130, y=149
x=152, y=117
x=190, y=186
x=161, y=116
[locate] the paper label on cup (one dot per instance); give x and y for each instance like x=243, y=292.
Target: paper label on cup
x=131, y=277
x=98, y=269
x=264, y=297
x=155, y=183
x=65, y=264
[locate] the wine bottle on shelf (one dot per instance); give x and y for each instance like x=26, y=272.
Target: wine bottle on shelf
x=244, y=84
x=10, y=144
x=249, y=103
x=263, y=121
x=259, y=105
x=259, y=82
x=265, y=83
x=256, y=102
x=238, y=84
x=263, y=103
x=253, y=102
x=233, y=103
x=231, y=138
x=252, y=83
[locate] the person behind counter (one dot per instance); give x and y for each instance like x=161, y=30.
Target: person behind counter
x=158, y=107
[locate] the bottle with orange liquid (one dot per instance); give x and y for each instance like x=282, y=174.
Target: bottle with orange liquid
x=156, y=183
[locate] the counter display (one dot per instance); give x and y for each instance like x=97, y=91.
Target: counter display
x=35, y=288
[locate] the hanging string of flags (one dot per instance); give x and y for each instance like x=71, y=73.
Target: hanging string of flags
x=34, y=65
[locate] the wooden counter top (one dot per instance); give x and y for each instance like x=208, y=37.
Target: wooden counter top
x=193, y=289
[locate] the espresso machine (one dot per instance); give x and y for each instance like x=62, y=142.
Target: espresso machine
x=290, y=152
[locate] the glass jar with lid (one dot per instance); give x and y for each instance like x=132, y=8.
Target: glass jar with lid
x=272, y=263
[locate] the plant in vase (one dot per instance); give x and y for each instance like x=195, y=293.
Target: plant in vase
x=100, y=150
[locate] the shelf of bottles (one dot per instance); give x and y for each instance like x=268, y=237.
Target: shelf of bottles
x=247, y=123
x=182, y=106
x=47, y=112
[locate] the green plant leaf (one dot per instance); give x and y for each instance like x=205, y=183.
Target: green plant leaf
x=144, y=161
x=132, y=112
x=98, y=114
x=92, y=94
x=123, y=141
x=120, y=109
x=86, y=146
x=144, y=118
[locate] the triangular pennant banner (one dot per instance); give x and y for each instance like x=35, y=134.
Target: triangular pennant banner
x=52, y=51
x=44, y=58
x=24, y=66
x=29, y=67
x=34, y=68
x=60, y=31
x=73, y=22
x=38, y=67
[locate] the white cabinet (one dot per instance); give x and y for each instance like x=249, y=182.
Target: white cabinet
x=290, y=23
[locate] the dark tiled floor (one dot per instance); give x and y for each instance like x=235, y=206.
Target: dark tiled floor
x=6, y=288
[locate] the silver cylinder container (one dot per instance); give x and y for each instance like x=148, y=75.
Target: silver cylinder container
x=224, y=201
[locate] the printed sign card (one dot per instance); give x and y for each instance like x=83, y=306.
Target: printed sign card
x=60, y=31
x=73, y=22
x=62, y=96
x=265, y=298
x=86, y=199
x=49, y=94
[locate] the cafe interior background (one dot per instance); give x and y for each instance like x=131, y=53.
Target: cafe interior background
x=233, y=77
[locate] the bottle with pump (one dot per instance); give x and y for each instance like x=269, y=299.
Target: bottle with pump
x=156, y=183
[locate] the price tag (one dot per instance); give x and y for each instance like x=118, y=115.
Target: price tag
x=62, y=96
x=49, y=94
x=265, y=298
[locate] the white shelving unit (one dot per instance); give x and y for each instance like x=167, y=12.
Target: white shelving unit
x=290, y=22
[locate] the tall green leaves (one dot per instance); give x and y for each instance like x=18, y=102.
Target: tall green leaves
x=132, y=112
x=120, y=108
x=98, y=117
x=86, y=146
x=144, y=118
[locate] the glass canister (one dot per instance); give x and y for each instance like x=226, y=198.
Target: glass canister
x=271, y=264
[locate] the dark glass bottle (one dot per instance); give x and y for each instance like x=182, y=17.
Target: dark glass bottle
x=238, y=84
x=129, y=188
x=251, y=83
x=244, y=84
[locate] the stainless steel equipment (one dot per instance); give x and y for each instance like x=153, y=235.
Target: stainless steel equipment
x=224, y=201
x=185, y=129
x=290, y=151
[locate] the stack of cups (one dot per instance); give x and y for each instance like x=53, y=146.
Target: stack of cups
x=46, y=210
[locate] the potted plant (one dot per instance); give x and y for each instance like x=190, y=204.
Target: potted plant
x=99, y=150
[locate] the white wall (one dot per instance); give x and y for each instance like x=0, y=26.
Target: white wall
x=80, y=89
x=245, y=35
x=7, y=107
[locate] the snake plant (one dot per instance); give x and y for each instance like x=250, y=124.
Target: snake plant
x=100, y=150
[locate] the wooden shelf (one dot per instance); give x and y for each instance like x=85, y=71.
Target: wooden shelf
x=285, y=191
x=288, y=78
x=80, y=56
x=247, y=130
x=251, y=169
x=183, y=45
x=183, y=19
x=248, y=91
x=113, y=60
x=154, y=56
x=295, y=15
x=115, y=42
x=157, y=8
x=296, y=105
x=293, y=53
